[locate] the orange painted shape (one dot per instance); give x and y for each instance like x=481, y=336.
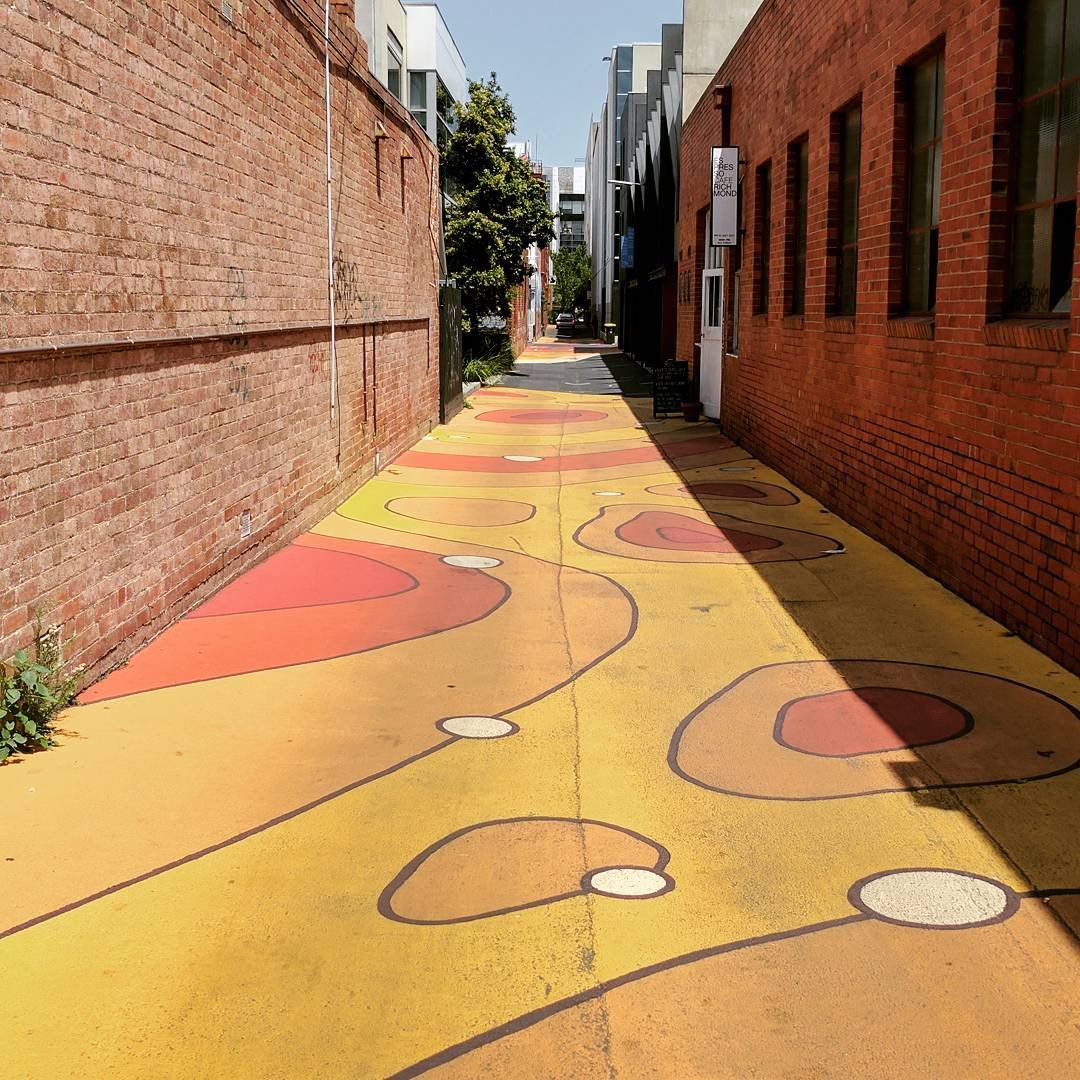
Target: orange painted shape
x=657, y=534
x=478, y=513
x=739, y=742
x=871, y=720
x=541, y=416
x=503, y=866
x=668, y=531
x=565, y=463
x=211, y=647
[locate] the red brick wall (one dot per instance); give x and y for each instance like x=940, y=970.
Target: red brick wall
x=957, y=443
x=518, y=323
x=164, y=182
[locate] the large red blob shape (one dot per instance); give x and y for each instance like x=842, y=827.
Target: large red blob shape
x=869, y=720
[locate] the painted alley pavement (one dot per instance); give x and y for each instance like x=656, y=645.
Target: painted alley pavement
x=574, y=745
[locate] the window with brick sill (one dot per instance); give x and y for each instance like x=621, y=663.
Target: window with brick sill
x=845, y=152
x=1045, y=160
x=925, y=100
x=798, y=187
x=762, y=237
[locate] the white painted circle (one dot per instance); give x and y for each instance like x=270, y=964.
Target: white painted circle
x=520, y=457
x=934, y=898
x=477, y=727
x=609, y=494
x=471, y=562
x=628, y=881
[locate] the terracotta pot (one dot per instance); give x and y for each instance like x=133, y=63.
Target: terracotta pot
x=691, y=410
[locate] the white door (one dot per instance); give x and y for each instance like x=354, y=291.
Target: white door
x=712, y=326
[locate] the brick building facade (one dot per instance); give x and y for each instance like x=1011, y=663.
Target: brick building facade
x=906, y=342
x=164, y=327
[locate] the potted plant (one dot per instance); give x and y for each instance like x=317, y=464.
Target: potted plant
x=691, y=407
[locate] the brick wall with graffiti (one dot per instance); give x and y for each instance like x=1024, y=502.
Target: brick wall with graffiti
x=164, y=325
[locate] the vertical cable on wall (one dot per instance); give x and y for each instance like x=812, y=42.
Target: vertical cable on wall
x=330, y=236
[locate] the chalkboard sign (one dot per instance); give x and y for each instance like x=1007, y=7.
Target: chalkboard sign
x=668, y=386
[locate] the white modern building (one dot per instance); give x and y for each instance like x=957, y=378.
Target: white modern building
x=709, y=32
x=566, y=190
x=628, y=72
x=413, y=54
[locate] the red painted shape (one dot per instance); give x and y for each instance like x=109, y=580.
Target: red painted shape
x=210, y=647
x=301, y=576
x=871, y=720
x=725, y=491
x=541, y=416
x=665, y=530
x=604, y=459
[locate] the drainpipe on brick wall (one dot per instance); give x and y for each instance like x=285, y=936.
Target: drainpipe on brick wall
x=330, y=236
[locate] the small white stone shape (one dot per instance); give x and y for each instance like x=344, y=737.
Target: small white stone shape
x=934, y=898
x=477, y=727
x=520, y=457
x=430, y=438
x=471, y=562
x=628, y=881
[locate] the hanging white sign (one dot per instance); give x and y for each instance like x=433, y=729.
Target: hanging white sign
x=725, y=196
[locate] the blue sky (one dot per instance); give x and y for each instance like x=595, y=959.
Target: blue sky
x=548, y=57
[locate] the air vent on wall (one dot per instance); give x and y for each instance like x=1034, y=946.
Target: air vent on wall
x=245, y=525
x=226, y=10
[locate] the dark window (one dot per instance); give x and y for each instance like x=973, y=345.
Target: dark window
x=847, y=209
x=394, y=56
x=925, y=115
x=418, y=84
x=1048, y=135
x=762, y=236
x=798, y=189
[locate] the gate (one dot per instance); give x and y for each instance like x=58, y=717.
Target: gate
x=450, y=356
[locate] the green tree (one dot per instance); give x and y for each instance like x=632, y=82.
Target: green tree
x=573, y=274
x=499, y=207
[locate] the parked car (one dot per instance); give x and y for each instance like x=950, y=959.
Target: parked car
x=564, y=323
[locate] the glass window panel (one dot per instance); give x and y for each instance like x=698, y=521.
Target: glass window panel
x=1069, y=139
x=852, y=142
x=921, y=188
x=939, y=95
x=1038, y=138
x=849, y=226
x=1031, y=261
x=1061, y=257
x=1072, y=39
x=918, y=272
x=935, y=184
x=922, y=102
x=418, y=89
x=1042, y=45
x=848, y=261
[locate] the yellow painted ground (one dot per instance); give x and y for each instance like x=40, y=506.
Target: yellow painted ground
x=306, y=949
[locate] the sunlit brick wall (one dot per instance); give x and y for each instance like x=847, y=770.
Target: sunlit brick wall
x=163, y=181
x=956, y=440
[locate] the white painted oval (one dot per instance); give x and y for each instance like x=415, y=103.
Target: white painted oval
x=520, y=457
x=471, y=562
x=628, y=881
x=610, y=494
x=477, y=727
x=934, y=898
